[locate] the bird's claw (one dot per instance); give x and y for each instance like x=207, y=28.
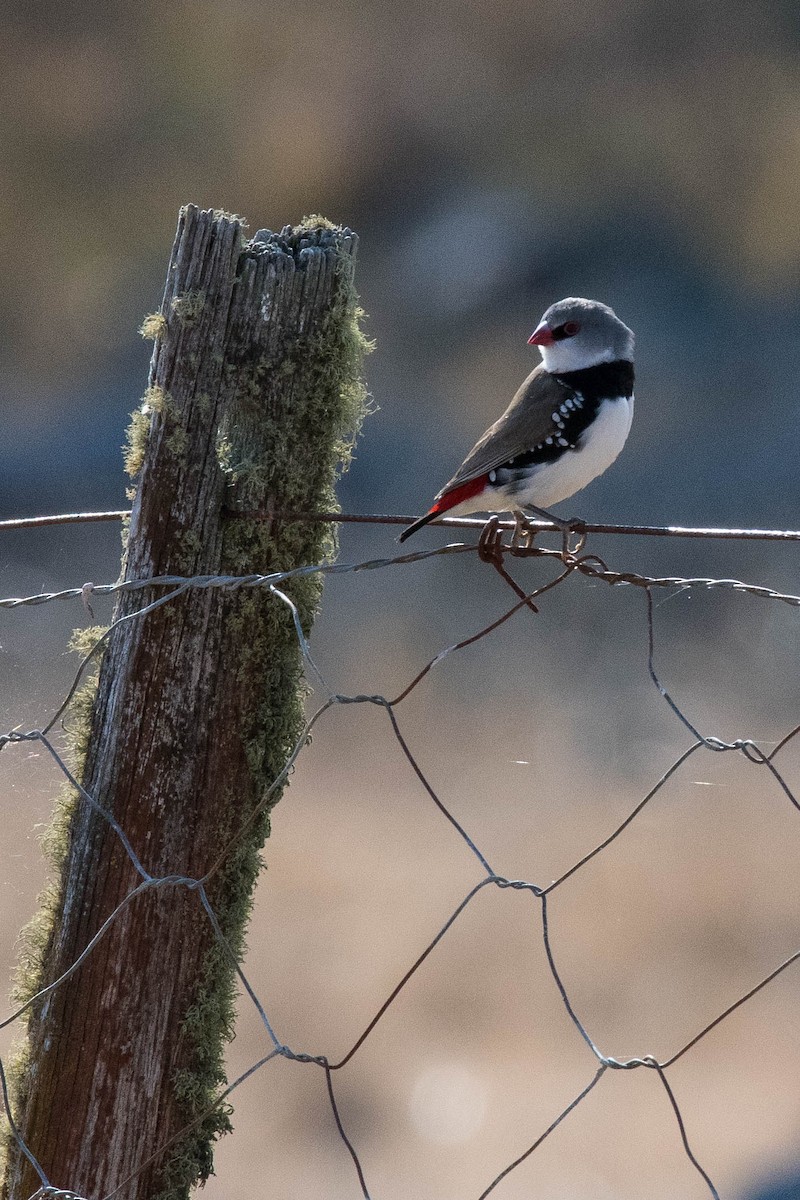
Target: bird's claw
x=522, y=538
x=567, y=528
x=490, y=541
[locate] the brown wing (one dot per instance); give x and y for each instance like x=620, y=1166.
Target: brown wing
x=527, y=421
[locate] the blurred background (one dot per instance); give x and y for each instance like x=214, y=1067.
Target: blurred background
x=493, y=157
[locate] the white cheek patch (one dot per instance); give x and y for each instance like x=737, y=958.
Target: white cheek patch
x=571, y=355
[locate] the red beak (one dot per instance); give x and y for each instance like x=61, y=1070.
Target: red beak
x=541, y=336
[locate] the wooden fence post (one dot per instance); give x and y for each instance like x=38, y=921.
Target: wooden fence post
x=254, y=395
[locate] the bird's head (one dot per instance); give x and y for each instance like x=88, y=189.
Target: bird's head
x=574, y=334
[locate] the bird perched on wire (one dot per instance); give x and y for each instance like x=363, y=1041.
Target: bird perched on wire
x=564, y=427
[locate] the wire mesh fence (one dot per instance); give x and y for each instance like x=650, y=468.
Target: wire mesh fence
x=559, y=566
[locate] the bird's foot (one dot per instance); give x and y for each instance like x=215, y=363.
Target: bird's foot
x=490, y=541
x=567, y=528
x=522, y=534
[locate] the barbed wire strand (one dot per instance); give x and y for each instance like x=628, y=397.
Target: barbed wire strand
x=568, y=564
x=586, y=566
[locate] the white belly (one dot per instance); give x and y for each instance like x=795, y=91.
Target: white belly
x=551, y=482
x=595, y=453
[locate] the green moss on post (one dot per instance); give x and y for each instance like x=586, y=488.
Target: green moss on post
x=254, y=400
x=35, y=940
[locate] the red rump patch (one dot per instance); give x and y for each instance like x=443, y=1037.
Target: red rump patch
x=465, y=491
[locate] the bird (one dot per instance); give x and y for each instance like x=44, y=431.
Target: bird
x=565, y=425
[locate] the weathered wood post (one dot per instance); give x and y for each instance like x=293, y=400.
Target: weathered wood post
x=254, y=396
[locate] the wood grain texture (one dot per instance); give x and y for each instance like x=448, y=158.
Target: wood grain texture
x=254, y=392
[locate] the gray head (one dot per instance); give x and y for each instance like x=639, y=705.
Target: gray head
x=575, y=333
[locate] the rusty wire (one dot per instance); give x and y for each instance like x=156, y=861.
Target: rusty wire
x=569, y=561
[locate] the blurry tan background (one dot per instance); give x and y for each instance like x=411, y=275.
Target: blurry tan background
x=493, y=158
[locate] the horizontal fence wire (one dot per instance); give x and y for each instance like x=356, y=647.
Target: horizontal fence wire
x=337, y=518
x=498, y=553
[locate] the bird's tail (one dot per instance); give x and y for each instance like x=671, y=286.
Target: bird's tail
x=429, y=516
x=452, y=498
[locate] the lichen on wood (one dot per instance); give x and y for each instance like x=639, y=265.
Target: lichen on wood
x=257, y=370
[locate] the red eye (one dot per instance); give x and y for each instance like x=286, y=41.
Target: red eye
x=571, y=328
